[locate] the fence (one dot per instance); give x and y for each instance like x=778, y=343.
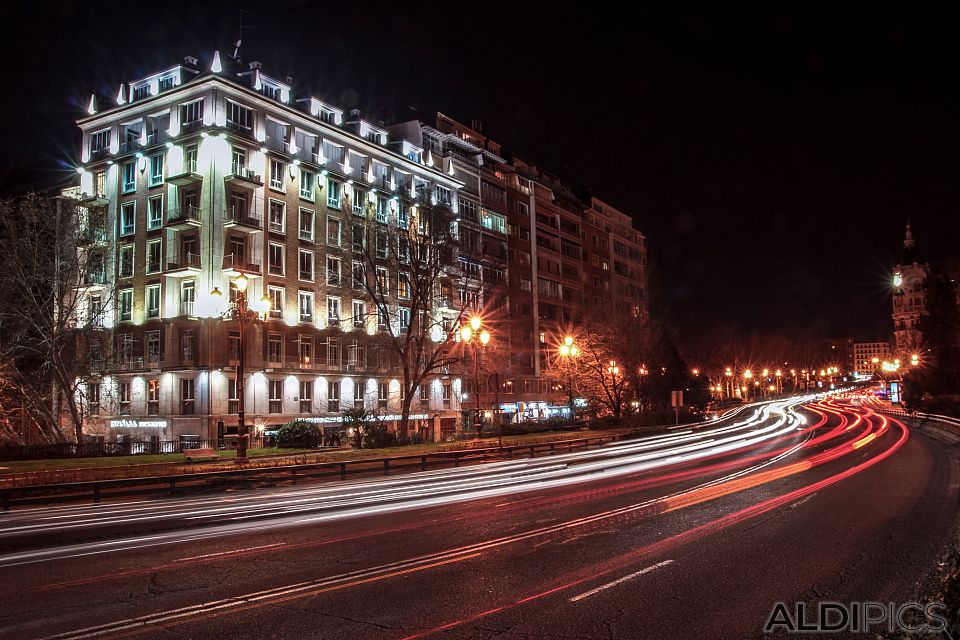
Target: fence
x=127, y=448
x=168, y=485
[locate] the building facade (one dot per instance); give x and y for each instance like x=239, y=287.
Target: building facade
x=868, y=357
x=909, y=303
x=202, y=173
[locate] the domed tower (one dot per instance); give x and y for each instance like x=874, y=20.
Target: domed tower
x=909, y=303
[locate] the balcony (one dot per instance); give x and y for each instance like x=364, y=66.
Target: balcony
x=94, y=200
x=94, y=279
x=187, y=309
x=184, y=217
x=131, y=146
x=244, y=177
x=91, y=236
x=248, y=267
x=183, y=264
x=243, y=219
x=186, y=177
x=130, y=363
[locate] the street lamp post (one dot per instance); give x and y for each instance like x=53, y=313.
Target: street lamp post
x=241, y=310
x=569, y=351
x=746, y=383
x=471, y=334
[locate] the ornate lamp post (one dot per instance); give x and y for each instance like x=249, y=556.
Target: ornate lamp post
x=569, y=351
x=472, y=334
x=240, y=310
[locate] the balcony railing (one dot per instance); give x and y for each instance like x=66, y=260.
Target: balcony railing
x=187, y=214
x=187, y=309
x=243, y=217
x=129, y=146
x=184, y=260
x=244, y=174
x=92, y=236
x=242, y=265
x=94, y=278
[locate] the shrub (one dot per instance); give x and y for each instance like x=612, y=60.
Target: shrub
x=300, y=434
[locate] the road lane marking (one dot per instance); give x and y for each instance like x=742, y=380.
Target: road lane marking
x=609, y=585
x=228, y=553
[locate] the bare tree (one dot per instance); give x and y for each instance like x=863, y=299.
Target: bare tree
x=43, y=320
x=408, y=269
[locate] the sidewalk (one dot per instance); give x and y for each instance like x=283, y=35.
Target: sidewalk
x=36, y=472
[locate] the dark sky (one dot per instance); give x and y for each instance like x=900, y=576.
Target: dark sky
x=772, y=158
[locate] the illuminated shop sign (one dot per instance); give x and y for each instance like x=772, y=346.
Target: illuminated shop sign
x=129, y=423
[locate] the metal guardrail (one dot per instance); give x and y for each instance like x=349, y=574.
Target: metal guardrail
x=98, y=490
x=922, y=416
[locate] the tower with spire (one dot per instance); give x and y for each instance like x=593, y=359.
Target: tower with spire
x=909, y=300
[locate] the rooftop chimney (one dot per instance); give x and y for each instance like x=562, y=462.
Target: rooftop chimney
x=255, y=64
x=288, y=80
x=190, y=61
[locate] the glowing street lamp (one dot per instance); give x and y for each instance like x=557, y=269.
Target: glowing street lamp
x=898, y=279
x=240, y=311
x=568, y=350
x=473, y=333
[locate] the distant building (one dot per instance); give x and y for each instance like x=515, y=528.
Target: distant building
x=838, y=352
x=869, y=356
x=909, y=303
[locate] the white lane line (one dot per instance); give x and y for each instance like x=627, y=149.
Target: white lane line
x=223, y=553
x=619, y=581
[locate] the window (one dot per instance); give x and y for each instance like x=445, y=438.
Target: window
x=100, y=141
x=277, y=167
x=187, y=397
x=306, y=396
x=187, y=345
x=333, y=310
x=275, y=259
x=382, y=320
x=187, y=291
x=93, y=398
x=333, y=193
x=306, y=306
x=424, y=391
x=358, y=392
x=383, y=281
x=191, y=112
x=359, y=238
x=238, y=162
x=307, y=218
x=154, y=213
x=333, y=271
x=153, y=300
x=403, y=315
x=153, y=397
x=128, y=217
x=154, y=248
x=238, y=207
x=382, y=244
x=306, y=184
x=359, y=198
x=446, y=394
x=359, y=313
x=128, y=174
x=305, y=347
x=332, y=152
x=381, y=210
x=525, y=284
x=403, y=215
x=275, y=348
x=333, y=395
x=96, y=310
x=333, y=352
x=494, y=221
x=403, y=249
x=125, y=305
x=276, y=396
x=443, y=195
x=190, y=158
x=276, y=301
x=306, y=265
x=125, y=262
x=233, y=343
x=278, y=215
x=156, y=170
x=359, y=275
x=333, y=231
x=403, y=286
x=238, y=116
x=233, y=402
x=123, y=394
x=383, y=389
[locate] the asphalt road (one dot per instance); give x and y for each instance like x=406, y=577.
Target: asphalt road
x=696, y=534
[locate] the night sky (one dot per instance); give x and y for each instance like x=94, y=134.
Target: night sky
x=771, y=158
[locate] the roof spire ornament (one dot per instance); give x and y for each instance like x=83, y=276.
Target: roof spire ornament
x=215, y=66
x=908, y=239
x=92, y=109
x=121, y=98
